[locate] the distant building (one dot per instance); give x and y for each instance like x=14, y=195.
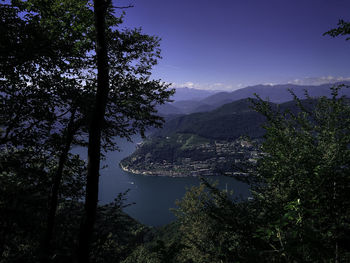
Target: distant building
x=139, y=145
x=245, y=143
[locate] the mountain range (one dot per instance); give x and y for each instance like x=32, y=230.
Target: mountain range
x=207, y=143
x=205, y=101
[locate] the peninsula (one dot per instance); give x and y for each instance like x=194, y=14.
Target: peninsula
x=182, y=155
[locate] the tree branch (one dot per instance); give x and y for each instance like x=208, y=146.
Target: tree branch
x=123, y=7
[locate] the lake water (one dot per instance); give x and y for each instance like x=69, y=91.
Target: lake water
x=153, y=196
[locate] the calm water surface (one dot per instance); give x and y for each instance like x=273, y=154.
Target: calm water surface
x=154, y=196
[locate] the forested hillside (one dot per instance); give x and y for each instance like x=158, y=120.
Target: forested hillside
x=228, y=122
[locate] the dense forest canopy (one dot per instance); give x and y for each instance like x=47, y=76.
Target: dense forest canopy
x=48, y=87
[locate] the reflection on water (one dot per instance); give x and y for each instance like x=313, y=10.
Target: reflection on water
x=153, y=196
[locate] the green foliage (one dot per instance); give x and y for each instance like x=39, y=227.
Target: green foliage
x=162, y=245
x=215, y=228
x=47, y=82
x=142, y=255
x=116, y=233
x=23, y=188
x=25, y=181
x=343, y=29
x=304, y=179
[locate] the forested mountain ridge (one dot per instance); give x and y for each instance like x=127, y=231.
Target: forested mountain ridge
x=227, y=122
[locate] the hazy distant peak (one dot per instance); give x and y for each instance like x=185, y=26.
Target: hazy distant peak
x=274, y=93
x=185, y=93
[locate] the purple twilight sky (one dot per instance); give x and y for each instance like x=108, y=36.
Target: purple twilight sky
x=228, y=44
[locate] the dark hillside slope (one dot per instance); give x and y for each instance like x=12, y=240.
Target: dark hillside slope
x=167, y=109
x=187, y=106
x=228, y=122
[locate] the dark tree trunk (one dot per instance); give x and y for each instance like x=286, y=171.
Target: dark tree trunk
x=91, y=199
x=70, y=131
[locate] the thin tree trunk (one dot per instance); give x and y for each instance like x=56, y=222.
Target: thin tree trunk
x=46, y=246
x=336, y=252
x=91, y=199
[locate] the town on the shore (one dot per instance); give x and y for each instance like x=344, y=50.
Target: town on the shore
x=211, y=158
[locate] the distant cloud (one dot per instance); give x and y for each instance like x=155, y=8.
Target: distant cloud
x=207, y=86
x=230, y=87
x=188, y=84
x=318, y=80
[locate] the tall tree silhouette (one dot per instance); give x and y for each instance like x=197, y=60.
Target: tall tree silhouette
x=94, y=147
x=47, y=95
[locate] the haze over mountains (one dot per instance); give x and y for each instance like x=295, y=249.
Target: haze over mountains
x=188, y=100
x=192, y=94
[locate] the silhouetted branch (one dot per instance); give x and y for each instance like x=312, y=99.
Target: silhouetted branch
x=123, y=7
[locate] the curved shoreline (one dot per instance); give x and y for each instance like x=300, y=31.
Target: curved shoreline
x=154, y=173
x=167, y=173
